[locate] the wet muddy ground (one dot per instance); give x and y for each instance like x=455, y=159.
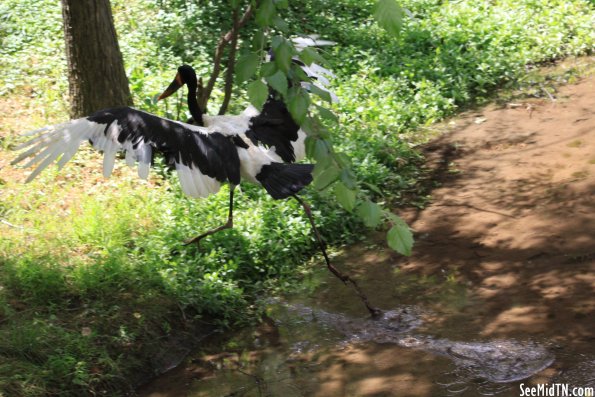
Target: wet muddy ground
x=505, y=253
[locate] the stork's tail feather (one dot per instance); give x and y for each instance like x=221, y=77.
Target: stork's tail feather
x=284, y=180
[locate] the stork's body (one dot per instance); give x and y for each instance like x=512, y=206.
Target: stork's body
x=204, y=157
x=258, y=147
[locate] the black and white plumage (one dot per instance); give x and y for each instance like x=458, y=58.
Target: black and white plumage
x=258, y=147
x=225, y=149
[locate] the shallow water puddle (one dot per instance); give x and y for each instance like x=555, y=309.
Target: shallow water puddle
x=429, y=347
x=300, y=351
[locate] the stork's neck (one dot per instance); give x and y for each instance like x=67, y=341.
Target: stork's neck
x=195, y=110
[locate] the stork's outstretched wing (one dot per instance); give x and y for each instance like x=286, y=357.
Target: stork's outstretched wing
x=203, y=158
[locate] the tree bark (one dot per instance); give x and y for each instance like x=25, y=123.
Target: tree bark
x=96, y=74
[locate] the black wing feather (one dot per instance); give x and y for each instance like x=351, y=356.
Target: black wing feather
x=214, y=154
x=274, y=126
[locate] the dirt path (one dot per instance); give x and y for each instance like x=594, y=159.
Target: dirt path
x=517, y=218
x=515, y=215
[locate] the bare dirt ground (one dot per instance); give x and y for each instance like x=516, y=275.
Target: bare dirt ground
x=515, y=214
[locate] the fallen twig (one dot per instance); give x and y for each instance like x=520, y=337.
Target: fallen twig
x=552, y=98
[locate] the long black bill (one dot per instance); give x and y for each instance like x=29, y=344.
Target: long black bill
x=173, y=87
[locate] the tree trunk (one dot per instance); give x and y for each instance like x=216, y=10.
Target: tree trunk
x=96, y=74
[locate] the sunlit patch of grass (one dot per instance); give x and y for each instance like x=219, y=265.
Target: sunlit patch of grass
x=537, y=82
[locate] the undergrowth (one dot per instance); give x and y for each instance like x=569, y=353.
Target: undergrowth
x=93, y=276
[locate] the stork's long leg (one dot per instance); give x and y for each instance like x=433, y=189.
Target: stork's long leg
x=375, y=312
x=227, y=225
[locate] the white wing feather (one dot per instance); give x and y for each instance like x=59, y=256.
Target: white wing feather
x=62, y=141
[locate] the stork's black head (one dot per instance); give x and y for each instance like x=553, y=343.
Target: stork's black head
x=186, y=75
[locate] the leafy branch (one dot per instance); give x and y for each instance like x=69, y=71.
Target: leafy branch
x=306, y=102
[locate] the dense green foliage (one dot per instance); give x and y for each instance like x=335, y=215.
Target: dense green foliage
x=92, y=274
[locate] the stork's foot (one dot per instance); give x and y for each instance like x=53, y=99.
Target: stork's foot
x=196, y=240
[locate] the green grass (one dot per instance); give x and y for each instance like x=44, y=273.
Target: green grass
x=92, y=273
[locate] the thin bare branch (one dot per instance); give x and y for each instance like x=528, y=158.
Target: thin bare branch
x=231, y=61
x=223, y=42
x=374, y=312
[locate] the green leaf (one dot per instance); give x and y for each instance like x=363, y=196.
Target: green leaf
x=234, y=3
x=310, y=146
x=345, y=196
x=257, y=93
x=268, y=69
x=297, y=73
x=276, y=41
x=326, y=177
x=258, y=41
x=322, y=94
x=321, y=166
x=322, y=131
x=320, y=150
x=399, y=237
x=298, y=106
x=279, y=82
x=309, y=55
x=343, y=160
x=280, y=23
x=313, y=127
x=348, y=178
x=389, y=16
x=374, y=188
x=265, y=13
x=283, y=54
x=370, y=213
x=246, y=66
x=310, y=127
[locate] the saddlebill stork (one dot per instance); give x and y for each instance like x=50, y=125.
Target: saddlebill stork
x=258, y=147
